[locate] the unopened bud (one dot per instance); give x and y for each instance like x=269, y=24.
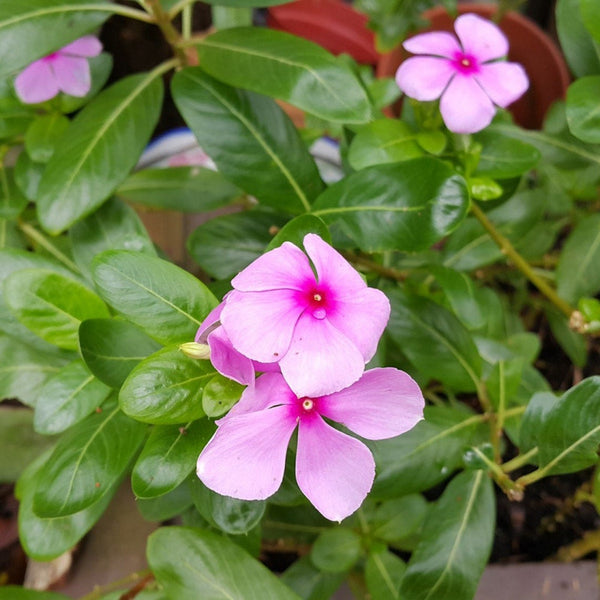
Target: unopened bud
x=195, y=350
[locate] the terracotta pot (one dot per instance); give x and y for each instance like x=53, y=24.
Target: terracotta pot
x=529, y=45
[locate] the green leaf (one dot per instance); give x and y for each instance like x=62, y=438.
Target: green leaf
x=406, y=206
x=583, y=115
x=457, y=540
x=428, y=453
x=67, y=398
x=503, y=157
x=51, y=305
x=115, y=226
x=244, y=3
x=27, y=175
x=574, y=344
x=187, y=189
x=12, y=200
x=383, y=141
x=336, y=550
x=167, y=506
x=96, y=153
x=534, y=418
x=87, y=462
x=19, y=444
x=42, y=135
x=13, y=592
x=251, y=140
x=225, y=245
x=591, y=17
x=398, y=521
x=166, y=388
x=168, y=457
x=45, y=539
x=295, y=230
x=570, y=433
x=289, y=68
x=434, y=340
x=61, y=21
x=503, y=381
x=187, y=560
x=310, y=583
x=165, y=301
x=383, y=575
x=219, y=395
x=112, y=348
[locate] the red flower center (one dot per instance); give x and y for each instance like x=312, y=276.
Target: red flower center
x=465, y=63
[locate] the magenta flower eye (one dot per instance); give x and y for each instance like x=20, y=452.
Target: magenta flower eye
x=465, y=72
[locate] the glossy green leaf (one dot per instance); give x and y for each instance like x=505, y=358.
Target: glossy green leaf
x=45, y=539
x=12, y=199
x=591, y=17
x=87, y=462
x=51, y=305
x=19, y=444
x=383, y=575
x=62, y=22
x=457, y=540
x=570, y=433
x=310, y=583
x=251, y=140
x=397, y=521
x=166, y=388
x=167, y=506
x=288, y=68
x=428, y=453
x=583, y=115
x=111, y=348
x=187, y=189
x=434, y=340
x=406, y=206
x=383, y=141
x=115, y=226
x=219, y=395
x=503, y=157
x=225, y=245
x=43, y=134
x=165, y=301
x=503, y=381
x=67, y=398
x=295, y=230
x=534, y=417
x=96, y=153
x=336, y=550
x=187, y=560
x=168, y=457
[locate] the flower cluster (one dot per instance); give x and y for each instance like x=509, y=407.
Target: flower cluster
x=309, y=333
x=466, y=74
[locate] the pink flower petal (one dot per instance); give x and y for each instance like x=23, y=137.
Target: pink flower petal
x=503, y=82
x=434, y=43
x=480, y=37
x=36, y=83
x=227, y=360
x=72, y=75
x=333, y=470
x=382, y=404
x=320, y=360
x=424, y=78
x=245, y=458
x=465, y=107
x=269, y=390
x=286, y=267
x=87, y=45
x=260, y=324
x=362, y=319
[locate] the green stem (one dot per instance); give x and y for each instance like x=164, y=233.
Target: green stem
x=508, y=486
x=132, y=578
x=177, y=8
x=39, y=238
x=371, y=265
x=186, y=22
x=125, y=11
x=509, y=251
x=163, y=20
x=519, y=461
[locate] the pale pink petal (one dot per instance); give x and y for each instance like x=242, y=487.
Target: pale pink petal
x=36, y=83
x=434, y=43
x=260, y=324
x=362, y=319
x=465, y=107
x=382, y=404
x=245, y=459
x=227, y=360
x=88, y=46
x=424, y=78
x=480, y=37
x=269, y=390
x=72, y=75
x=286, y=267
x=503, y=82
x=320, y=360
x=209, y=324
x=333, y=470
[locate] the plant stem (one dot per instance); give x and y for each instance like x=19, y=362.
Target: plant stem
x=186, y=22
x=177, y=8
x=371, y=265
x=163, y=20
x=511, y=488
x=508, y=250
x=519, y=461
x=578, y=549
x=125, y=11
x=101, y=590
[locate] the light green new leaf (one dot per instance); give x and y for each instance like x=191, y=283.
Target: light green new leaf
x=457, y=540
x=187, y=560
x=98, y=150
x=288, y=68
x=166, y=388
x=111, y=348
x=67, y=398
x=165, y=301
x=251, y=140
x=87, y=462
x=383, y=575
x=406, y=206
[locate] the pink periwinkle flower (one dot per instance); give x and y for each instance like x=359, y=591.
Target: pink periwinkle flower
x=66, y=70
x=321, y=329
x=245, y=458
x=465, y=74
